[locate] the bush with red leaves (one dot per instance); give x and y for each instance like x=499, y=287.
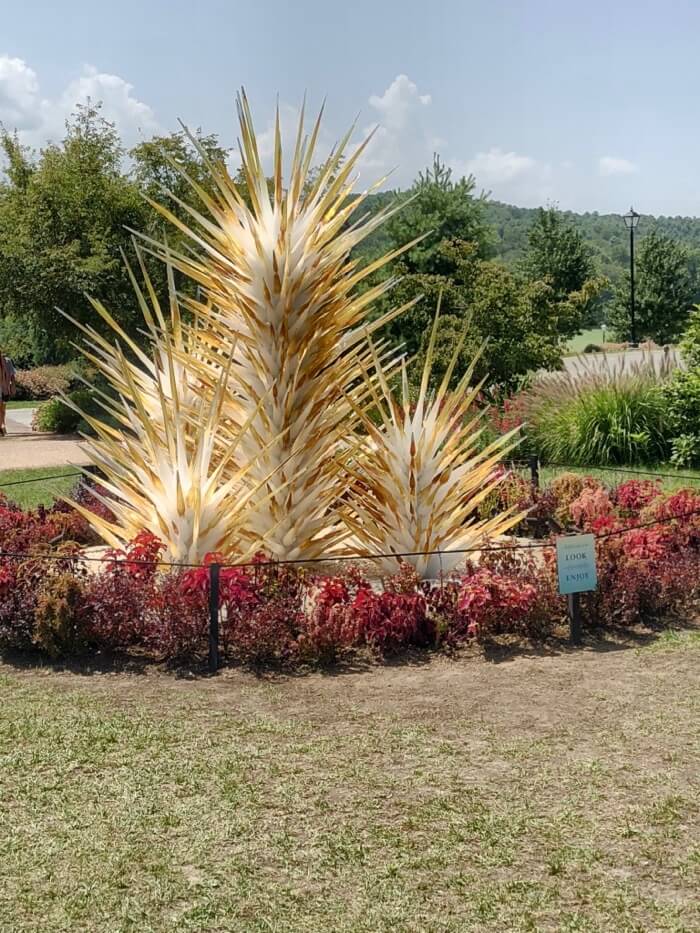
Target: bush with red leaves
x=643, y=577
x=395, y=618
x=330, y=626
x=122, y=596
x=119, y=603
x=590, y=506
x=491, y=603
x=264, y=629
x=277, y=614
x=19, y=585
x=680, y=514
x=23, y=530
x=22, y=583
x=634, y=495
x=177, y=619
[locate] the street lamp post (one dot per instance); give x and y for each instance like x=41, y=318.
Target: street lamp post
x=631, y=219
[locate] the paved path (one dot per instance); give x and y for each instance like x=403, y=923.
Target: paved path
x=22, y=450
x=630, y=357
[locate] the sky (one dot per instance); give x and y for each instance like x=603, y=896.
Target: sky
x=590, y=106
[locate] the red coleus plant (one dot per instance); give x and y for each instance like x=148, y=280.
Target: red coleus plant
x=492, y=603
x=331, y=625
x=140, y=558
x=591, y=505
x=634, y=495
x=387, y=621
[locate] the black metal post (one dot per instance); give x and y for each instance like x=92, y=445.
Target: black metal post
x=535, y=472
x=214, y=617
x=633, y=317
x=575, y=626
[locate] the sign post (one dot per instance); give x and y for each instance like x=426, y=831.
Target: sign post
x=576, y=569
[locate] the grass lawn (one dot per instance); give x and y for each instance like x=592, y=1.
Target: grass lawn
x=43, y=491
x=578, y=343
x=546, y=792
x=612, y=476
x=26, y=404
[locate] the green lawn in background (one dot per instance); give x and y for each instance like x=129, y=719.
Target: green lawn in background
x=42, y=492
x=45, y=491
x=578, y=343
x=670, y=480
x=26, y=404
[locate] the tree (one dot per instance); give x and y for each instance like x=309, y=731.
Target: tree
x=63, y=222
x=522, y=321
x=438, y=209
x=690, y=342
x=160, y=167
x=666, y=287
x=556, y=254
x=517, y=319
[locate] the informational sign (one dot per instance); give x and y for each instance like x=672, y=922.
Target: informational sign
x=576, y=564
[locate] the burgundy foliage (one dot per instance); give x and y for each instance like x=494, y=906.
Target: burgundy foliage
x=272, y=614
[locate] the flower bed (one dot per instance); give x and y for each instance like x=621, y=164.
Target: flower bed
x=272, y=614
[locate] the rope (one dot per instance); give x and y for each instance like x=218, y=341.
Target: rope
x=601, y=469
x=345, y=557
x=38, y=479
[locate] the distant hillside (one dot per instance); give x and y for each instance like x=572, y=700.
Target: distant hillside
x=606, y=234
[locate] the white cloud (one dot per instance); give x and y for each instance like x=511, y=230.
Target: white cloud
x=403, y=138
x=38, y=119
x=610, y=165
x=132, y=116
x=508, y=176
x=398, y=103
x=20, y=104
x=496, y=167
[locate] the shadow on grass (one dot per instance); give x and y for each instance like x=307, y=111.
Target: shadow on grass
x=598, y=639
x=83, y=665
x=496, y=651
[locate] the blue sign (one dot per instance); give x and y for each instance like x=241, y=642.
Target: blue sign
x=576, y=564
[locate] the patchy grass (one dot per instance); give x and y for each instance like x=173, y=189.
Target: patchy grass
x=24, y=404
x=541, y=793
x=30, y=488
x=671, y=639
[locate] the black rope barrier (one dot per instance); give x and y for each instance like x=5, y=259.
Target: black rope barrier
x=613, y=469
x=512, y=464
x=483, y=548
x=39, y=479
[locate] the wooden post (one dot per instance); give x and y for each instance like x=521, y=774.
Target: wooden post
x=575, y=626
x=214, y=618
x=535, y=472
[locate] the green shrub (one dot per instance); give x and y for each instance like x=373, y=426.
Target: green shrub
x=685, y=450
x=600, y=414
x=690, y=342
x=682, y=395
x=59, y=418
x=608, y=425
